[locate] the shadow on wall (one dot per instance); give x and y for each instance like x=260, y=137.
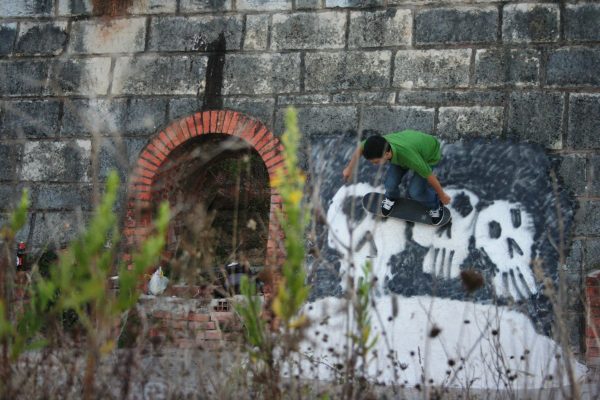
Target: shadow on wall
x=504, y=222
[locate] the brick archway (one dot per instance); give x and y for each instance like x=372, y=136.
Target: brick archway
x=139, y=212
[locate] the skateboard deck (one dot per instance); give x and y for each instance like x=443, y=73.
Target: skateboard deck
x=405, y=209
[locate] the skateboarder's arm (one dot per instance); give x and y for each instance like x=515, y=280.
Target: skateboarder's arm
x=352, y=163
x=433, y=181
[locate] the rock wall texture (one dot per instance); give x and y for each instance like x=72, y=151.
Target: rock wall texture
x=82, y=93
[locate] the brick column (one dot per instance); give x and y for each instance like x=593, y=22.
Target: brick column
x=592, y=331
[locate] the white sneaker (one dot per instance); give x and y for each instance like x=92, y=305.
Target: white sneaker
x=436, y=214
x=386, y=206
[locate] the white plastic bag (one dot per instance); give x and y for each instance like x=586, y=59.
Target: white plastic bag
x=158, y=282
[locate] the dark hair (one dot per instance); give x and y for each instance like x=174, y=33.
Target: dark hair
x=375, y=147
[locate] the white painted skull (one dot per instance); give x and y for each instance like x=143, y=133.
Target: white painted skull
x=448, y=246
x=504, y=231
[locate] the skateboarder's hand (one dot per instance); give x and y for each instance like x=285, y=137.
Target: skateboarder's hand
x=347, y=173
x=445, y=199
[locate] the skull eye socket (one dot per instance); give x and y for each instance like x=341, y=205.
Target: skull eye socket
x=515, y=217
x=495, y=229
x=462, y=204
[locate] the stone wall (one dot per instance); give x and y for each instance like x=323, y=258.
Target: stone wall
x=81, y=94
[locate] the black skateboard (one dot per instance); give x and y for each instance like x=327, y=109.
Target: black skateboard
x=406, y=209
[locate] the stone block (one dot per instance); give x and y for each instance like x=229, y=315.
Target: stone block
x=574, y=256
x=456, y=25
x=99, y=36
x=525, y=23
x=54, y=161
x=383, y=97
x=347, y=70
x=156, y=6
x=202, y=33
x=23, y=78
x=574, y=67
x=303, y=99
x=112, y=155
x=261, y=109
x=307, y=30
x=144, y=115
x=388, y=119
x=572, y=173
x=308, y=4
x=536, y=117
x=186, y=6
x=86, y=77
x=582, y=22
x=183, y=106
x=494, y=67
x=353, y=3
x=450, y=98
x=152, y=74
x=261, y=74
x=74, y=7
x=391, y=27
x=322, y=120
x=592, y=254
x=432, y=68
x=48, y=38
x=9, y=154
x=134, y=149
x=62, y=197
x=26, y=8
x=8, y=33
x=587, y=219
x=30, y=118
x=594, y=189
x=263, y=5
x=257, y=32
x=584, y=121
x=468, y=122
x=55, y=229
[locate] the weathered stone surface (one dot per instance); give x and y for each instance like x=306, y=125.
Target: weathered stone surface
x=365, y=97
x=9, y=154
x=592, y=254
x=495, y=67
x=26, y=8
x=62, y=197
x=30, y=118
x=587, y=219
x=261, y=109
x=450, y=98
x=321, y=120
x=303, y=99
x=88, y=77
x=271, y=73
x=10, y=195
x=308, y=4
x=263, y=5
x=582, y=22
x=584, y=121
x=574, y=256
x=305, y=30
x=157, y=6
x=184, y=106
x=467, y=122
x=56, y=161
x=530, y=23
x=536, y=117
x=74, y=7
x=204, y=5
x=572, y=172
x=380, y=28
x=42, y=38
x=55, y=229
x=149, y=74
x=99, y=36
x=203, y=33
x=23, y=78
x=456, y=25
x=574, y=67
x=347, y=70
x=353, y=3
x=112, y=155
x=257, y=32
x=432, y=68
x=382, y=120
x=8, y=32
x=594, y=189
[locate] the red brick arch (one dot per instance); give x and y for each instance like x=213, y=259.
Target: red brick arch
x=256, y=134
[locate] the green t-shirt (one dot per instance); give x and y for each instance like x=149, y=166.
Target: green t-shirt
x=414, y=150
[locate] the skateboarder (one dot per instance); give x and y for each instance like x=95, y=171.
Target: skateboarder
x=405, y=150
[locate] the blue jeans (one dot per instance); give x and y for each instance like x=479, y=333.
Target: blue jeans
x=418, y=188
